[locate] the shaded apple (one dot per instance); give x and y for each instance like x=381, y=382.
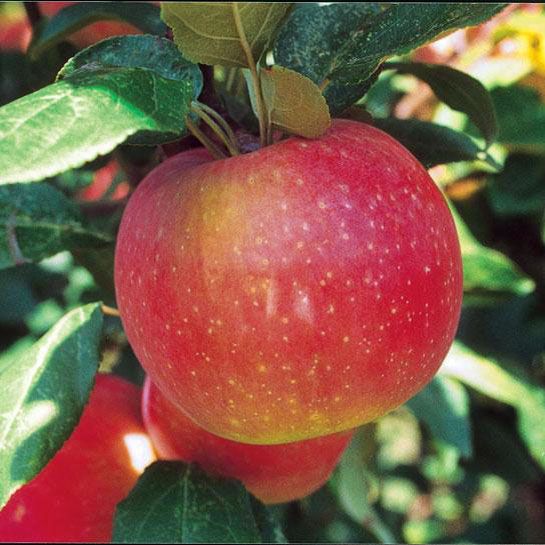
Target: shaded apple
x=272, y=473
x=74, y=497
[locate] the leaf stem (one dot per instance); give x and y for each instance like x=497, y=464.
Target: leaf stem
x=204, y=140
x=259, y=103
x=220, y=127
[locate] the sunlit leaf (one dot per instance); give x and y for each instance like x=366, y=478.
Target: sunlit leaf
x=491, y=379
x=223, y=32
x=87, y=114
x=44, y=391
x=294, y=103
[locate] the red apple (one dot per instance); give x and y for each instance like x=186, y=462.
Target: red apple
x=102, y=181
x=92, y=33
x=292, y=292
x=15, y=31
x=14, y=36
x=74, y=497
x=272, y=473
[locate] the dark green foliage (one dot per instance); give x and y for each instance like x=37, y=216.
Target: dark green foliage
x=178, y=503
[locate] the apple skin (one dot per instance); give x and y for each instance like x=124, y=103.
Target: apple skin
x=272, y=473
x=73, y=499
x=292, y=292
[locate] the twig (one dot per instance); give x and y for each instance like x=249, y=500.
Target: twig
x=110, y=311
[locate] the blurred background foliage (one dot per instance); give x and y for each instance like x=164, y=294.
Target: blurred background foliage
x=463, y=461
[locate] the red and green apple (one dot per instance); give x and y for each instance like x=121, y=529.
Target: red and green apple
x=292, y=292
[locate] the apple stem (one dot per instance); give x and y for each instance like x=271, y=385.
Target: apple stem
x=259, y=103
x=205, y=141
x=220, y=127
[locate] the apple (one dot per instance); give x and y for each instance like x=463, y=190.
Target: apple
x=15, y=31
x=272, y=473
x=292, y=292
x=102, y=181
x=74, y=497
x=92, y=33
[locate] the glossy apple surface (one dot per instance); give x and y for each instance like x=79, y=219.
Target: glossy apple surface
x=74, y=497
x=272, y=473
x=293, y=292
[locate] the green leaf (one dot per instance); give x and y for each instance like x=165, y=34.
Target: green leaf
x=39, y=221
x=177, y=503
x=483, y=374
x=488, y=377
x=360, y=45
x=519, y=189
x=16, y=75
x=100, y=263
x=143, y=51
x=266, y=522
x=16, y=295
x=223, y=32
x=521, y=117
x=44, y=391
x=443, y=406
x=351, y=487
x=88, y=114
x=44, y=316
x=531, y=413
x=294, y=103
x=143, y=15
x=17, y=349
x=458, y=90
x=433, y=144
x=314, y=37
x=487, y=272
